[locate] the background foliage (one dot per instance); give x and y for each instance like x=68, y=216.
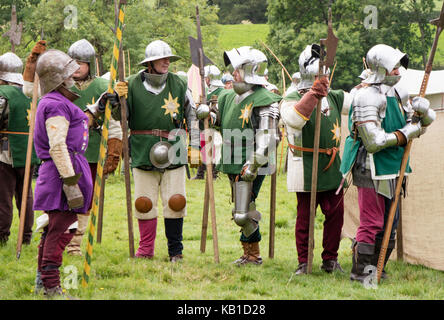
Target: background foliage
x=290, y=26
x=400, y=24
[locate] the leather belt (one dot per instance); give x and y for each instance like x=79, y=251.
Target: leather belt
x=330, y=152
x=14, y=132
x=154, y=132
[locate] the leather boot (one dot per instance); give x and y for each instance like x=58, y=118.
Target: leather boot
x=362, y=257
x=254, y=255
x=200, y=175
x=246, y=248
x=147, y=230
x=74, y=247
x=390, y=247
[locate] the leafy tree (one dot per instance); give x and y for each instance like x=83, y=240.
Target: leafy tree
x=401, y=24
x=65, y=21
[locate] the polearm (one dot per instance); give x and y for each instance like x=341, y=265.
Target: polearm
x=331, y=43
x=272, y=209
x=277, y=59
x=125, y=148
x=439, y=23
x=27, y=166
x=196, y=45
x=103, y=148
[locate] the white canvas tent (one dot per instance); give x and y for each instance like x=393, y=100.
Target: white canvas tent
x=411, y=80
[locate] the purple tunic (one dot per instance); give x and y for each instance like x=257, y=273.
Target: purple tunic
x=48, y=194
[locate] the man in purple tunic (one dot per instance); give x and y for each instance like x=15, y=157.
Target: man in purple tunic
x=64, y=185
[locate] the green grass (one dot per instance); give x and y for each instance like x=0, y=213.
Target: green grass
x=237, y=35
x=116, y=276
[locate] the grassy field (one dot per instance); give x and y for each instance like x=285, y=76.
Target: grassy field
x=237, y=35
x=115, y=276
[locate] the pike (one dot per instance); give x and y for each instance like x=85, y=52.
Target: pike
x=27, y=165
x=199, y=59
x=331, y=43
x=35, y=90
x=103, y=149
x=439, y=23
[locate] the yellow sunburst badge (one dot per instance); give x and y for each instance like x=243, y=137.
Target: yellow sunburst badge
x=336, y=132
x=28, y=117
x=245, y=114
x=171, y=105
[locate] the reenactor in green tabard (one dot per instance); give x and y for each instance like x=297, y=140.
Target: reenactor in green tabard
x=159, y=107
x=14, y=129
x=248, y=118
x=90, y=87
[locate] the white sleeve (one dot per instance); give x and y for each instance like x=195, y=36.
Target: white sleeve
x=57, y=130
x=115, y=129
x=348, y=99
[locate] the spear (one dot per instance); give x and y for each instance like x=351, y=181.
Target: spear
x=103, y=148
x=199, y=59
x=439, y=23
x=27, y=165
x=331, y=43
x=277, y=59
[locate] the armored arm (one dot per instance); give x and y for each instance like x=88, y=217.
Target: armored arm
x=266, y=139
x=369, y=107
x=4, y=113
x=193, y=123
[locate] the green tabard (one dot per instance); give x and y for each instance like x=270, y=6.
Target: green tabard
x=19, y=117
x=90, y=96
x=216, y=92
x=148, y=111
x=387, y=162
x=330, y=136
x=237, y=117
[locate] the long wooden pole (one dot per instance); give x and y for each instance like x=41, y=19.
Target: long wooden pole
x=388, y=228
x=206, y=208
x=103, y=148
x=278, y=60
x=100, y=214
x=208, y=144
x=325, y=61
x=272, y=211
x=27, y=179
x=125, y=149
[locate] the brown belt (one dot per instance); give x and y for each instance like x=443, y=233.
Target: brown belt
x=330, y=152
x=14, y=132
x=154, y=132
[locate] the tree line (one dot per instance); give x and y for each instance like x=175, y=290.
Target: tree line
x=359, y=24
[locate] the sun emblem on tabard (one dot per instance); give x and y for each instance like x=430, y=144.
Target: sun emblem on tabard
x=245, y=114
x=171, y=105
x=28, y=112
x=336, y=132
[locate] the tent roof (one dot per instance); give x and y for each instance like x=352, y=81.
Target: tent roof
x=411, y=80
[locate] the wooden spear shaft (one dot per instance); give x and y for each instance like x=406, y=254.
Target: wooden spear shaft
x=388, y=228
x=27, y=166
x=125, y=148
x=208, y=145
